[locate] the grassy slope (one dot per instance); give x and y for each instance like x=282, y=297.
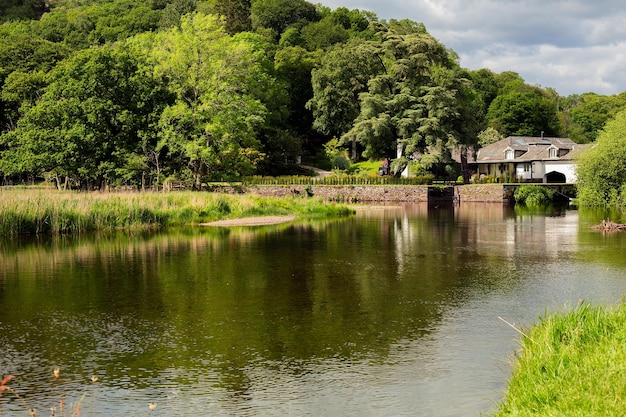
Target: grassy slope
x=571, y=364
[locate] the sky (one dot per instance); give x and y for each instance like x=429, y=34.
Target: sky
x=572, y=46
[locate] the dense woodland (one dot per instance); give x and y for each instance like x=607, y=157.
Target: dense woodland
x=97, y=93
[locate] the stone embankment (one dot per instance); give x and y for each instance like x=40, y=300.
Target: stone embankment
x=491, y=193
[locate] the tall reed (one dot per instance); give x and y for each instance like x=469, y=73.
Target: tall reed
x=24, y=211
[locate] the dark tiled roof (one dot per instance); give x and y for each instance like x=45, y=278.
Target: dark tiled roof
x=527, y=148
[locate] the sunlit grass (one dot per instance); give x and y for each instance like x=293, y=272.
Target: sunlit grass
x=54, y=212
x=571, y=364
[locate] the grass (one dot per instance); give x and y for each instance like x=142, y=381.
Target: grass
x=571, y=364
x=365, y=167
x=42, y=212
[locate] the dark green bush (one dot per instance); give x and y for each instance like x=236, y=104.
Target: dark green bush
x=533, y=195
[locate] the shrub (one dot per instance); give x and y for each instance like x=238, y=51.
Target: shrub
x=533, y=195
x=341, y=162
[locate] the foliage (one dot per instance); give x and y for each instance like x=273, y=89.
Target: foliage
x=523, y=113
x=22, y=9
x=293, y=66
x=602, y=167
x=571, y=364
x=342, y=76
x=278, y=15
x=216, y=115
x=489, y=136
x=410, y=101
x=91, y=122
x=341, y=162
x=587, y=114
x=533, y=195
x=265, y=98
x=323, y=34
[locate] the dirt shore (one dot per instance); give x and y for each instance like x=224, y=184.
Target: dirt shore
x=251, y=221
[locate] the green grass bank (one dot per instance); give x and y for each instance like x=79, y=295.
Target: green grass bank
x=571, y=364
x=29, y=211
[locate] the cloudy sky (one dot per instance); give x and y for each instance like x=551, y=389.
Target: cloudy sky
x=573, y=46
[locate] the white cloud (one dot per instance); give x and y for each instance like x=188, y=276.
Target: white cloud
x=573, y=46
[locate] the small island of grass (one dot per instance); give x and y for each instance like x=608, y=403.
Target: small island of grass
x=41, y=212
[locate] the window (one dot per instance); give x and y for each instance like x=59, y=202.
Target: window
x=553, y=152
x=509, y=154
x=527, y=167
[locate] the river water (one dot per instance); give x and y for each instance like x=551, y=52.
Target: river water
x=396, y=311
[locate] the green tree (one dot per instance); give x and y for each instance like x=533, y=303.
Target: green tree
x=236, y=13
x=293, y=66
x=21, y=89
x=323, y=34
x=89, y=125
x=592, y=111
x=337, y=83
x=176, y=9
x=489, y=136
x=523, y=113
x=469, y=122
x=214, y=121
x=484, y=81
x=355, y=20
x=80, y=24
x=278, y=15
x=24, y=58
x=411, y=102
x=602, y=167
x=22, y=9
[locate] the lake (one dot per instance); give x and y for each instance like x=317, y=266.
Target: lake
x=396, y=311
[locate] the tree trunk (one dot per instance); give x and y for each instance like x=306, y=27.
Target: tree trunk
x=197, y=175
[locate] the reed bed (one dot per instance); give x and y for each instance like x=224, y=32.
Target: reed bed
x=24, y=211
x=571, y=364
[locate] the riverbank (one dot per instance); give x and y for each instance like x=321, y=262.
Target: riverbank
x=45, y=212
x=571, y=364
x=432, y=194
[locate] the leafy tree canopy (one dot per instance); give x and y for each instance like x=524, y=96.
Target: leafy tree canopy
x=278, y=15
x=411, y=101
x=214, y=77
x=602, y=167
x=523, y=113
x=11, y=10
x=96, y=110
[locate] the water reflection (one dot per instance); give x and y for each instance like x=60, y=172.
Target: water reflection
x=393, y=312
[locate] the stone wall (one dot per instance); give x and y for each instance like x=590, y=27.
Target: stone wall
x=382, y=193
x=347, y=193
x=484, y=193
x=474, y=193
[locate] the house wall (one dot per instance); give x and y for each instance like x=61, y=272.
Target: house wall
x=567, y=168
x=541, y=168
x=530, y=175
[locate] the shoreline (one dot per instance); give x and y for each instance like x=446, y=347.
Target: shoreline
x=250, y=221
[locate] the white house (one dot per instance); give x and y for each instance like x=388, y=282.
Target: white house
x=531, y=159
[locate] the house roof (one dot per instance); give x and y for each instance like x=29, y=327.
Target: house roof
x=527, y=149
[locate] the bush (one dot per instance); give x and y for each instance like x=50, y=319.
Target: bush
x=533, y=195
x=341, y=162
